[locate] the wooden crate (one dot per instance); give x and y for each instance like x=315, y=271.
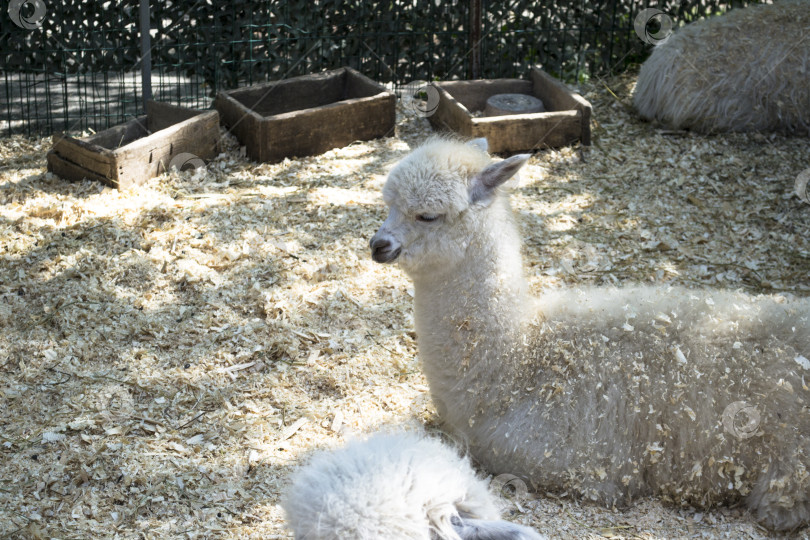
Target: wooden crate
x=307, y=115
x=566, y=120
x=131, y=153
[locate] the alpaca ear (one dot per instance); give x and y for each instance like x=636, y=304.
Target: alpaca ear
x=483, y=185
x=480, y=143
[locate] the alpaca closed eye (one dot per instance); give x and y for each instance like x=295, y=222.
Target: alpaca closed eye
x=427, y=218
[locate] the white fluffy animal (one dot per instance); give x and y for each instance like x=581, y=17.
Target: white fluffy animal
x=698, y=397
x=745, y=70
x=395, y=486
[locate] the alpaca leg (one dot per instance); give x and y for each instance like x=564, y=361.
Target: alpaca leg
x=479, y=529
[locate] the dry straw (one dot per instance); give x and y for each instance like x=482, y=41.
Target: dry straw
x=169, y=353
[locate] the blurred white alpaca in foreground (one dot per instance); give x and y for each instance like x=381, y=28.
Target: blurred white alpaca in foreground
x=699, y=397
x=394, y=487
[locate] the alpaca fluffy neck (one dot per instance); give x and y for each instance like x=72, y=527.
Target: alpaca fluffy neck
x=469, y=315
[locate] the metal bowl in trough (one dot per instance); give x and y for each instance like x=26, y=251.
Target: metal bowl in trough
x=307, y=115
x=131, y=153
x=463, y=108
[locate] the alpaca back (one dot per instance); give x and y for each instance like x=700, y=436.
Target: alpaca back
x=621, y=393
x=746, y=70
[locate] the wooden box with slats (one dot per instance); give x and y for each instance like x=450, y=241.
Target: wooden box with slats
x=131, y=153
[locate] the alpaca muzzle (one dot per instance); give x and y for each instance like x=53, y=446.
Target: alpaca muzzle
x=383, y=250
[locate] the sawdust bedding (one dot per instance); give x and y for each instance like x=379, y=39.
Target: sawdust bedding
x=170, y=353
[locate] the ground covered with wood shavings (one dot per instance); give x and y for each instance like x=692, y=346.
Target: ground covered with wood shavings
x=170, y=353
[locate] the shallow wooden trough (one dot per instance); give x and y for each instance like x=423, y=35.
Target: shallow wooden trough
x=567, y=118
x=131, y=153
x=307, y=115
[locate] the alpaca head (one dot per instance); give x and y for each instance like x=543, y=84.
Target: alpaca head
x=438, y=197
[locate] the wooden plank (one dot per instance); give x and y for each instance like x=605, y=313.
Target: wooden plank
x=187, y=130
x=561, y=98
x=314, y=131
x=474, y=94
x=71, y=171
x=245, y=124
x=162, y=115
x=134, y=167
x=555, y=95
x=120, y=135
x=358, y=85
x=528, y=132
x=151, y=155
x=585, y=126
x=305, y=91
x=450, y=114
x=85, y=154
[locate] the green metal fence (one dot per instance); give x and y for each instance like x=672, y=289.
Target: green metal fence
x=76, y=65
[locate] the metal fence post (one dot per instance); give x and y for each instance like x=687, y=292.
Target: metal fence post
x=475, y=39
x=146, y=53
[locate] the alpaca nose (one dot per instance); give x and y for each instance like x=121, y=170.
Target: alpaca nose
x=383, y=250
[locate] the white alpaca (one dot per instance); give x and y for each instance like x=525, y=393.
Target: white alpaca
x=699, y=397
x=746, y=70
x=396, y=486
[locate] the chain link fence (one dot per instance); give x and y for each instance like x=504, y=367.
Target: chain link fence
x=77, y=65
